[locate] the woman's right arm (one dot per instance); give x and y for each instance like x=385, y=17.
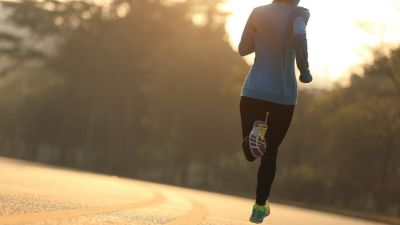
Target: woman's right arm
x=247, y=42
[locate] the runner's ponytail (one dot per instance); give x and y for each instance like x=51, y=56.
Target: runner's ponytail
x=283, y=3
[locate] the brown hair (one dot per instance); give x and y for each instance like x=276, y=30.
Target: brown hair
x=282, y=2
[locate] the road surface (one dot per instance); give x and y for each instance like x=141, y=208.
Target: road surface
x=41, y=195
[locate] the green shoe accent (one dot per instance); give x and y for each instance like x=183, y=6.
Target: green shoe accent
x=259, y=213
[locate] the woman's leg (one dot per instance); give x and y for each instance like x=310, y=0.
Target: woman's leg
x=279, y=119
x=250, y=110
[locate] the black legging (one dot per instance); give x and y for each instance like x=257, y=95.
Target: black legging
x=279, y=118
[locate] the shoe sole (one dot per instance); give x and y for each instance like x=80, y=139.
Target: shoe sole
x=255, y=221
x=258, y=221
x=257, y=141
x=246, y=150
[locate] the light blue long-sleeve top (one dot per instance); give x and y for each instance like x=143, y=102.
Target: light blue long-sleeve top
x=277, y=34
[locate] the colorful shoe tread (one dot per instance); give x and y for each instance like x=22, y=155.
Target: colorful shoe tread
x=257, y=142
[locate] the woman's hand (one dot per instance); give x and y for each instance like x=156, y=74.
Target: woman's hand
x=306, y=77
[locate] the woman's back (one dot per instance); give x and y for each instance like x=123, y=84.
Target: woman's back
x=269, y=33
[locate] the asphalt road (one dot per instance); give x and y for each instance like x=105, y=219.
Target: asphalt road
x=40, y=195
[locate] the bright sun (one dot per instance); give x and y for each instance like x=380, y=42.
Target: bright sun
x=341, y=33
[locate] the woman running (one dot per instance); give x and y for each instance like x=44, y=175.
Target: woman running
x=277, y=34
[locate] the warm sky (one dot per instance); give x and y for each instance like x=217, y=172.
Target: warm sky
x=340, y=33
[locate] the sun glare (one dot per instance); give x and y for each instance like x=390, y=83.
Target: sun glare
x=341, y=33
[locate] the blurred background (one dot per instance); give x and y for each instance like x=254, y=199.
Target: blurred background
x=150, y=89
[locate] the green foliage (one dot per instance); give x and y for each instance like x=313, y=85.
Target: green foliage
x=135, y=85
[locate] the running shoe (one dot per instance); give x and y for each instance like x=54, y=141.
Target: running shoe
x=257, y=141
x=259, y=213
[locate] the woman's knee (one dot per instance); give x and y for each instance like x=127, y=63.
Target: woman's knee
x=269, y=156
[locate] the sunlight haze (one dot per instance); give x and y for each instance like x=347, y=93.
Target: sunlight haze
x=341, y=34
